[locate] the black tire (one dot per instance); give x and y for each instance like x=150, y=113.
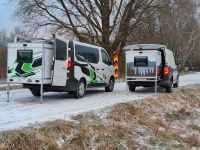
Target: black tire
x=81, y=90
x=169, y=88
x=110, y=86
x=132, y=88
x=177, y=83
x=35, y=93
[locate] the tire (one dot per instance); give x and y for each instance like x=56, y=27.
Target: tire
x=35, y=93
x=110, y=86
x=81, y=90
x=169, y=88
x=70, y=93
x=177, y=83
x=132, y=88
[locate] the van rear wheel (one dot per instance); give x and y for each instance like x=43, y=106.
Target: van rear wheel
x=35, y=93
x=169, y=88
x=132, y=88
x=81, y=90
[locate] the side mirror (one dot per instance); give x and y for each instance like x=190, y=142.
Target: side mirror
x=178, y=62
x=111, y=62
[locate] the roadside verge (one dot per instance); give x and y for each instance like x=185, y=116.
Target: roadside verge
x=167, y=121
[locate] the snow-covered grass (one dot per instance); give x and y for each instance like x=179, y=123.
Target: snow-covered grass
x=24, y=109
x=4, y=87
x=167, y=121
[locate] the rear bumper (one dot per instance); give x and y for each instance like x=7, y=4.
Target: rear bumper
x=28, y=81
x=151, y=83
x=49, y=88
x=70, y=87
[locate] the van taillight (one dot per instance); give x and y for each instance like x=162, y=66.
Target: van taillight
x=166, y=70
x=69, y=65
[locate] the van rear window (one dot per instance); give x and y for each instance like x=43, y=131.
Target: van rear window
x=25, y=56
x=141, y=61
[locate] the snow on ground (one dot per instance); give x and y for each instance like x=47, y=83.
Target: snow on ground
x=5, y=85
x=24, y=109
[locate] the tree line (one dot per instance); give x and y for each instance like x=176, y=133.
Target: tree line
x=113, y=24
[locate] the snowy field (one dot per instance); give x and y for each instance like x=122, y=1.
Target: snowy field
x=24, y=109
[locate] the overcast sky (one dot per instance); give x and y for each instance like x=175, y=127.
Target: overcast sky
x=7, y=20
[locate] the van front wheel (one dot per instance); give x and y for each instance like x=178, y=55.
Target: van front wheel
x=81, y=90
x=110, y=86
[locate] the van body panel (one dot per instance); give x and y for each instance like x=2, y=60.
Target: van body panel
x=172, y=64
x=106, y=66
x=94, y=70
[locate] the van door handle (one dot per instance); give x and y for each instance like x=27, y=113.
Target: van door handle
x=97, y=68
x=102, y=69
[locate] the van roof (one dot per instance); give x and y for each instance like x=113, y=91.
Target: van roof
x=144, y=46
x=87, y=44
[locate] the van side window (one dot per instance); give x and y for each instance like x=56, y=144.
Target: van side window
x=87, y=54
x=105, y=58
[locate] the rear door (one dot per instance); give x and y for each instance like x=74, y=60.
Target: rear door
x=25, y=62
x=60, y=60
x=142, y=63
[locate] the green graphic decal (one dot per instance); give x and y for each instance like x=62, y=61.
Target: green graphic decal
x=93, y=77
x=23, y=70
x=27, y=67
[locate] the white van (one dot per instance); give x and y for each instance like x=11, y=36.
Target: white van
x=60, y=66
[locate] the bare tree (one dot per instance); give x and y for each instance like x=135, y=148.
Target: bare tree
x=182, y=28
x=5, y=38
x=3, y=47
x=3, y=52
x=103, y=22
x=175, y=25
